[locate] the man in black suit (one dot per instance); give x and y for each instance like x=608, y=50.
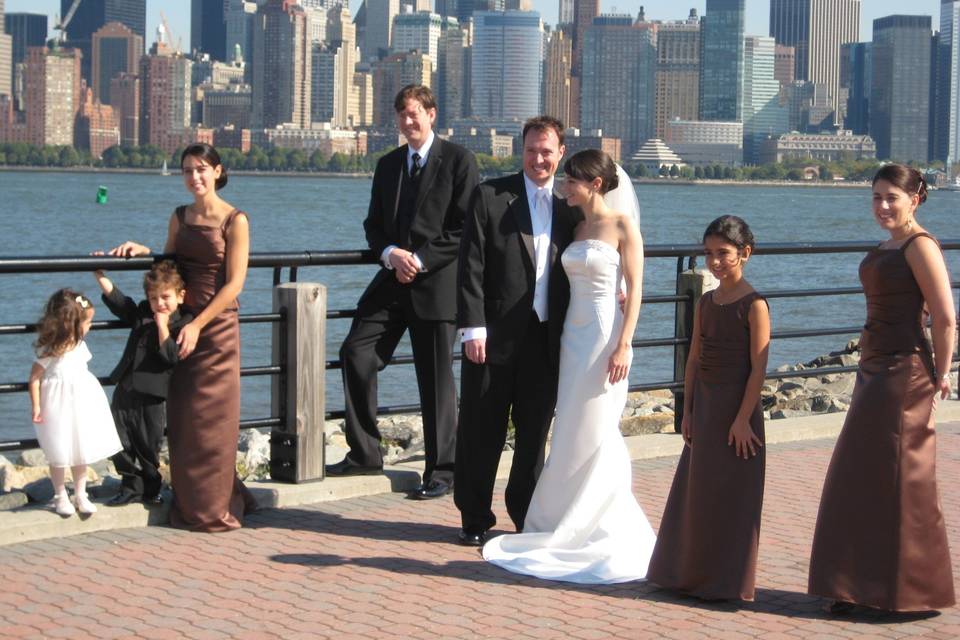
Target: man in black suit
x=420, y=196
x=512, y=299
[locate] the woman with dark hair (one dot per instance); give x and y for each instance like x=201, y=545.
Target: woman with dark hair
x=584, y=524
x=211, y=240
x=880, y=539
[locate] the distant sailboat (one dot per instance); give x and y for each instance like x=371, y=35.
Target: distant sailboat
x=164, y=171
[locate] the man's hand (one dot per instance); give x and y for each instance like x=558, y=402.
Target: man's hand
x=404, y=265
x=476, y=350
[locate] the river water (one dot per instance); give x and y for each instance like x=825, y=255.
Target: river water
x=51, y=213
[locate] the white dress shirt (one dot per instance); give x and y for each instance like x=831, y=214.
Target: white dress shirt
x=423, y=152
x=540, y=201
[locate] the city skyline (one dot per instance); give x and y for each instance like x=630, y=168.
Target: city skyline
x=757, y=12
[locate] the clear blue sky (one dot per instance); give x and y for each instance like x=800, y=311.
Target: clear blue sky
x=178, y=12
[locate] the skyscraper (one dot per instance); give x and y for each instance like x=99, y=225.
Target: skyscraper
x=208, y=28
x=281, y=66
x=6, y=57
x=678, y=72
x=239, y=20
x=947, y=100
x=25, y=30
x=420, y=31
x=507, y=65
x=116, y=49
x=556, y=75
x=379, y=16
x=125, y=97
x=786, y=65
x=762, y=114
x=392, y=74
x=165, y=104
x=721, y=60
x=899, y=109
x=52, y=95
x=93, y=14
x=336, y=96
x=453, y=67
x=618, y=81
x=584, y=11
x=856, y=73
x=566, y=13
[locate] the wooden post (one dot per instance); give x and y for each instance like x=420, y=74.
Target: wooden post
x=692, y=283
x=297, y=395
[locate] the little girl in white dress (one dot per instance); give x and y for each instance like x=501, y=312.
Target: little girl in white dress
x=70, y=410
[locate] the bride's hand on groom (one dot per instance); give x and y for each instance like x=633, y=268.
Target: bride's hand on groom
x=743, y=439
x=619, y=365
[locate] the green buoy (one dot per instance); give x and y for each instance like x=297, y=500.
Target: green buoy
x=101, y=195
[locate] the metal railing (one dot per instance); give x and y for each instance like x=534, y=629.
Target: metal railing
x=684, y=254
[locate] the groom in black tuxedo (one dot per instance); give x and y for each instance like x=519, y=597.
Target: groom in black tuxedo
x=419, y=198
x=512, y=298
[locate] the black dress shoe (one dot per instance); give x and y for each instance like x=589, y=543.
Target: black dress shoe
x=153, y=501
x=431, y=490
x=471, y=539
x=347, y=467
x=122, y=498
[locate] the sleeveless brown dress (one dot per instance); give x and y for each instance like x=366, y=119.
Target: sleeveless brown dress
x=203, y=403
x=707, y=542
x=880, y=539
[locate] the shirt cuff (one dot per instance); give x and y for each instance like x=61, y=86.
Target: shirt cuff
x=385, y=256
x=473, y=333
x=419, y=262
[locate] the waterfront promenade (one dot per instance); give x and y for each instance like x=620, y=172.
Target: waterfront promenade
x=380, y=566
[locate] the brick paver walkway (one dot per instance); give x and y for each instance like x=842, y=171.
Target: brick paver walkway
x=386, y=567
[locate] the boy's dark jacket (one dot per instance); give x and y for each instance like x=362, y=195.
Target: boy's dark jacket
x=145, y=365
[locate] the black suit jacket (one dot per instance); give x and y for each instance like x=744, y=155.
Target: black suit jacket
x=145, y=364
x=446, y=182
x=497, y=267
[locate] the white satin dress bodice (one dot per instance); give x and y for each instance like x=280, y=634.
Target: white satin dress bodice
x=584, y=524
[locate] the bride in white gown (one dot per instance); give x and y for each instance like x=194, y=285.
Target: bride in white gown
x=584, y=525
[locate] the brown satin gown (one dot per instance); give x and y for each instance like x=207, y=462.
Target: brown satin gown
x=880, y=539
x=707, y=542
x=203, y=403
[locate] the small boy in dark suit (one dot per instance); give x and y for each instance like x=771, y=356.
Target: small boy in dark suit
x=142, y=377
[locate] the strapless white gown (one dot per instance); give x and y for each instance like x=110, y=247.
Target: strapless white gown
x=584, y=525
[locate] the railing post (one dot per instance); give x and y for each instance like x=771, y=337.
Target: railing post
x=297, y=395
x=692, y=283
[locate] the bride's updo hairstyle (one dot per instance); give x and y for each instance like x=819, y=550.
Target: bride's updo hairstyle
x=732, y=230
x=590, y=164
x=208, y=154
x=908, y=180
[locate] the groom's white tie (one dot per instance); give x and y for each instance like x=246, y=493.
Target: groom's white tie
x=541, y=243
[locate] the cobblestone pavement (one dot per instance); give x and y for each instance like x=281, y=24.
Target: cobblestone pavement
x=387, y=567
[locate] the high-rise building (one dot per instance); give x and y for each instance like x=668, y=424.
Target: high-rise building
x=947, y=92
x=96, y=128
x=419, y=31
x=556, y=75
x=93, y=14
x=281, y=66
x=392, y=74
x=899, y=110
x=721, y=60
x=678, y=72
x=763, y=116
x=379, y=15
x=6, y=57
x=464, y=9
x=453, y=74
x=239, y=20
x=617, y=92
x=566, y=12
x=336, y=94
x=584, y=11
x=52, y=88
x=856, y=73
x=816, y=29
x=116, y=49
x=25, y=30
x=786, y=65
x=165, y=100
x=507, y=65
x=415, y=6
x=208, y=28
x=125, y=97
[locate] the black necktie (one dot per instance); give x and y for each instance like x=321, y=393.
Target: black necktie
x=415, y=169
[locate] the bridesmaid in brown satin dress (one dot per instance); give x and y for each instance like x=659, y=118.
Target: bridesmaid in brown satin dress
x=211, y=240
x=880, y=539
x=707, y=542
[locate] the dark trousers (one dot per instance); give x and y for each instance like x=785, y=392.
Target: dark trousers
x=525, y=392
x=367, y=349
x=140, y=420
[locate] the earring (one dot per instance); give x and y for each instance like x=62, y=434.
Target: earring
x=909, y=224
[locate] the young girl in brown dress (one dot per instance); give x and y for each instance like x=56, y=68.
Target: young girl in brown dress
x=880, y=539
x=707, y=542
x=211, y=240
